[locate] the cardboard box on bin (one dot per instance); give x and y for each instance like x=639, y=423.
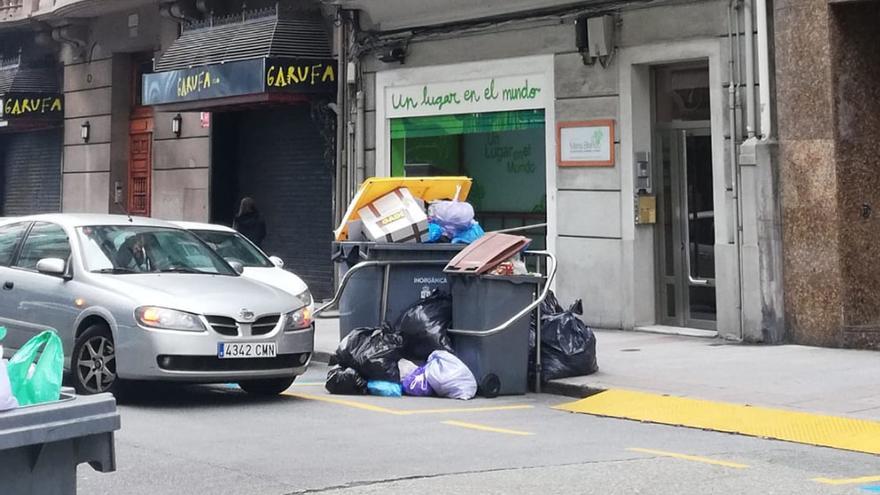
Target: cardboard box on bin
x=395, y=217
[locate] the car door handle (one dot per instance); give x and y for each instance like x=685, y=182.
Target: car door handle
x=8, y=286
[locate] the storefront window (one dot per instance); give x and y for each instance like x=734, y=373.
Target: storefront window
x=504, y=153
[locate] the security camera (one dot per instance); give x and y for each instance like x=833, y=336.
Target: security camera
x=393, y=54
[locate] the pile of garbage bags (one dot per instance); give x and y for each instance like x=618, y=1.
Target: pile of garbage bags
x=568, y=346
x=34, y=373
x=413, y=357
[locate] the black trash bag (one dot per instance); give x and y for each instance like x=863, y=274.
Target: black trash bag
x=372, y=352
x=423, y=326
x=345, y=381
x=568, y=346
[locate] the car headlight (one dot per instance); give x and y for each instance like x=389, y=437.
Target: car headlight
x=304, y=298
x=298, y=320
x=168, y=319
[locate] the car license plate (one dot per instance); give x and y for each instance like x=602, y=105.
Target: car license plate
x=238, y=350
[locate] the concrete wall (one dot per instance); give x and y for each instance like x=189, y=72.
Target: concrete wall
x=607, y=261
x=181, y=168
x=97, y=85
x=88, y=98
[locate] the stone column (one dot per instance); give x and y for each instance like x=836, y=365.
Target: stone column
x=856, y=71
x=808, y=174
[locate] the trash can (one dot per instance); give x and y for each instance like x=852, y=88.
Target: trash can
x=499, y=362
x=360, y=304
x=41, y=445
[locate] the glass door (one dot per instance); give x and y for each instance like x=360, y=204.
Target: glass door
x=686, y=226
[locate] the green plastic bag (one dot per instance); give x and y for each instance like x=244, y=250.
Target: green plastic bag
x=35, y=376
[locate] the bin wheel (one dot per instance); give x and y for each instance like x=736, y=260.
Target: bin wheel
x=490, y=386
x=94, y=362
x=271, y=386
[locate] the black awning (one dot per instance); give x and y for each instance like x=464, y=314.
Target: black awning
x=267, y=57
x=223, y=41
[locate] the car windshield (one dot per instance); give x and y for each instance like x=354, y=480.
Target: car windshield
x=136, y=249
x=232, y=246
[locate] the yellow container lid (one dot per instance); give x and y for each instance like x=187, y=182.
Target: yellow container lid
x=424, y=188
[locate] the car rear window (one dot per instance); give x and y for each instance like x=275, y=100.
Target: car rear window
x=234, y=247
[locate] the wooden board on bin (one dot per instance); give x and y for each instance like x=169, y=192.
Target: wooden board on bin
x=486, y=253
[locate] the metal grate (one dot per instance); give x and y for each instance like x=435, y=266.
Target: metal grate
x=223, y=325
x=265, y=325
x=18, y=79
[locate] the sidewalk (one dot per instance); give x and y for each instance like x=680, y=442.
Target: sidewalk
x=807, y=379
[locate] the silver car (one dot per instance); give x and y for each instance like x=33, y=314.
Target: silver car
x=141, y=299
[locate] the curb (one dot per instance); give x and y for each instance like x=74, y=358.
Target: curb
x=570, y=390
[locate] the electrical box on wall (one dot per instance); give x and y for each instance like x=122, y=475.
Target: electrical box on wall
x=600, y=31
x=645, y=202
x=594, y=38
x=642, y=173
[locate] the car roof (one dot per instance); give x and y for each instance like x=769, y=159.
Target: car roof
x=203, y=226
x=92, y=219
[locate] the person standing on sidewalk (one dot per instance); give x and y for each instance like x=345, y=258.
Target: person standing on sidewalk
x=249, y=222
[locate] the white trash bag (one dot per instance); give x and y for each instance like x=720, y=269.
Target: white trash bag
x=7, y=400
x=449, y=377
x=406, y=367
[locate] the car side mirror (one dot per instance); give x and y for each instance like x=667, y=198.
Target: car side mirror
x=277, y=261
x=52, y=266
x=238, y=267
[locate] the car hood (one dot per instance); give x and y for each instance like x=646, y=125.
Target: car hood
x=202, y=294
x=278, y=278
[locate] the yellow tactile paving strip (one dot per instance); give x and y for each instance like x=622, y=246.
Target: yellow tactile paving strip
x=812, y=429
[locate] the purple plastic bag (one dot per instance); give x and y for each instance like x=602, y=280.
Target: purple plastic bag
x=416, y=384
x=453, y=216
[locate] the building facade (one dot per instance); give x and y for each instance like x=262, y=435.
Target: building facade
x=637, y=131
x=698, y=166
x=177, y=110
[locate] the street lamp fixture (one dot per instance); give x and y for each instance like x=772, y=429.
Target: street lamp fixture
x=176, y=125
x=85, y=130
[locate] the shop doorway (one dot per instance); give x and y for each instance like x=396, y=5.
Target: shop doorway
x=140, y=142
x=30, y=172
x=276, y=156
x=685, y=203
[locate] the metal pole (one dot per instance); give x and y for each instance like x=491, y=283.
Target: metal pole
x=748, y=12
x=383, y=309
x=538, y=367
x=521, y=229
x=764, y=70
x=339, y=206
x=359, y=147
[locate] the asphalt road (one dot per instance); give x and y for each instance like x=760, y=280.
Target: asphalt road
x=179, y=440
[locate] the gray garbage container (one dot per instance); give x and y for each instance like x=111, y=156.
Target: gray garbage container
x=499, y=362
x=41, y=445
x=361, y=301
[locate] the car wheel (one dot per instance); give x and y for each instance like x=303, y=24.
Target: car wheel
x=94, y=362
x=273, y=386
